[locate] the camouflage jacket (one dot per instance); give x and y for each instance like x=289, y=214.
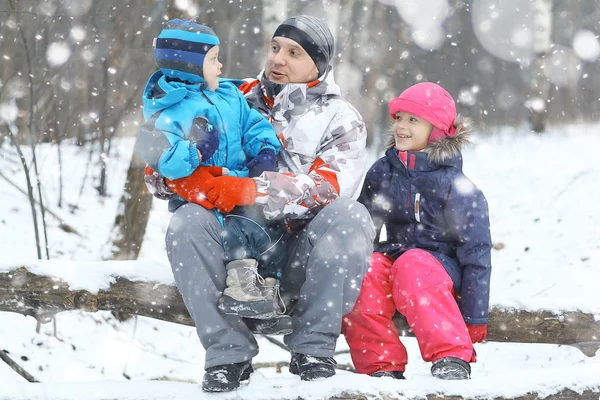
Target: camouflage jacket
x=324, y=147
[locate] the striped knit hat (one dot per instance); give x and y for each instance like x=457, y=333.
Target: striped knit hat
x=313, y=35
x=181, y=47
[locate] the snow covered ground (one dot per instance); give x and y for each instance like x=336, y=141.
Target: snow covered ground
x=542, y=192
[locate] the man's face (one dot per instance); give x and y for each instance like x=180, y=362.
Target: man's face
x=288, y=62
x=212, y=68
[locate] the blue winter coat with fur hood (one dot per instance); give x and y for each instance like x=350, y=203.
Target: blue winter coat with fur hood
x=170, y=108
x=431, y=205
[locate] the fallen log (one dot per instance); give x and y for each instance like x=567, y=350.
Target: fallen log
x=565, y=394
x=43, y=289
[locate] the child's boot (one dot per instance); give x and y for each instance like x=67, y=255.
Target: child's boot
x=451, y=368
x=242, y=296
x=280, y=323
x=389, y=374
x=271, y=292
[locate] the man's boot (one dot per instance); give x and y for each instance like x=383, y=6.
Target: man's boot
x=225, y=378
x=311, y=368
x=242, y=296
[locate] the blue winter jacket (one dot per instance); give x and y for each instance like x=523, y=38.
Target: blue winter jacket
x=431, y=205
x=164, y=141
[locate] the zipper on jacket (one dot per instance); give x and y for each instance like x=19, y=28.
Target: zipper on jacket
x=417, y=206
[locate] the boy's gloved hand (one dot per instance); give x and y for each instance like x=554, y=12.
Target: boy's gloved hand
x=189, y=188
x=226, y=192
x=264, y=161
x=478, y=333
x=205, y=136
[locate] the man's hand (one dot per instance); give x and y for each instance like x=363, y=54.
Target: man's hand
x=155, y=183
x=226, y=192
x=189, y=188
x=478, y=333
x=264, y=161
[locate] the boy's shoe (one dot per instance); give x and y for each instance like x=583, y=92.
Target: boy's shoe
x=389, y=374
x=451, y=368
x=270, y=289
x=278, y=325
x=311, y=368
x=243, y=296
x=225, y=378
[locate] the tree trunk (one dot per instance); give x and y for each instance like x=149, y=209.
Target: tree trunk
x=43, y=296
x=274, y=12
x=132, y=214
x=540, y=82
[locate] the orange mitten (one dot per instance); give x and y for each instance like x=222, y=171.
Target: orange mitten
x=226, y=192
x=189, y=187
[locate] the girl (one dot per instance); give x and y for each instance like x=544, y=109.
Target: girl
x=434, y=266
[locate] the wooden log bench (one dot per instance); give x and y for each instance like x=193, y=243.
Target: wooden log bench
x=43, y=289
x=44, y=295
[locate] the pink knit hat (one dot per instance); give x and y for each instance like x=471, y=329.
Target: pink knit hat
x=431, y=102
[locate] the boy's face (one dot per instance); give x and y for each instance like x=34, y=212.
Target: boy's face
x=288, y=62
x=212, y=68
x=411, y=133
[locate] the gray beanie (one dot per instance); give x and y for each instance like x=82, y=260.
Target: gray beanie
x=313, y=35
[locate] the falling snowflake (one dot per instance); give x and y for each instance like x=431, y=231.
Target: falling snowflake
x=8, y=112
x=58, y=53
x=586, y=46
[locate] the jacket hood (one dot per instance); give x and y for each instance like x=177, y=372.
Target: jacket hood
x=448, y=147
x=160, y=94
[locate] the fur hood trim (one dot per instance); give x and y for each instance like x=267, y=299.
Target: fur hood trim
x=448, y=147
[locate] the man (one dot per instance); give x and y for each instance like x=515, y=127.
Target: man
x=330, y=238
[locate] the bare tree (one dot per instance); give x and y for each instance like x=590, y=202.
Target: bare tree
x=540, y=82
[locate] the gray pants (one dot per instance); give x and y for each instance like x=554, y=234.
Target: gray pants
x=325, y=265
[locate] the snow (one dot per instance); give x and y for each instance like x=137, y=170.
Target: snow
x=77, y=33
x=586, y=45
x=542, y=192
x=9, y=111
x=563, y=67
x=426, y=27
x=58, y=53
x=505, y=28
x=99, y=275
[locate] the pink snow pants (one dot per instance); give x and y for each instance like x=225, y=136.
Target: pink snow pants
x=418, y=286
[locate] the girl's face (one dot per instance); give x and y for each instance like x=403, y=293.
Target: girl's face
x=288, y=62
x=411, y=133
x=212, y=68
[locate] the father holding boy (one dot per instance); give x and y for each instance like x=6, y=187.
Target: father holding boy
x=330, y=238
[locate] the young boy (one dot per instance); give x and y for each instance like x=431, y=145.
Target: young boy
x=193, y=118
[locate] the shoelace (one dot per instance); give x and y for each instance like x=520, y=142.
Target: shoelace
x=278, y=296
x=250, y=279
x=276, y=293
